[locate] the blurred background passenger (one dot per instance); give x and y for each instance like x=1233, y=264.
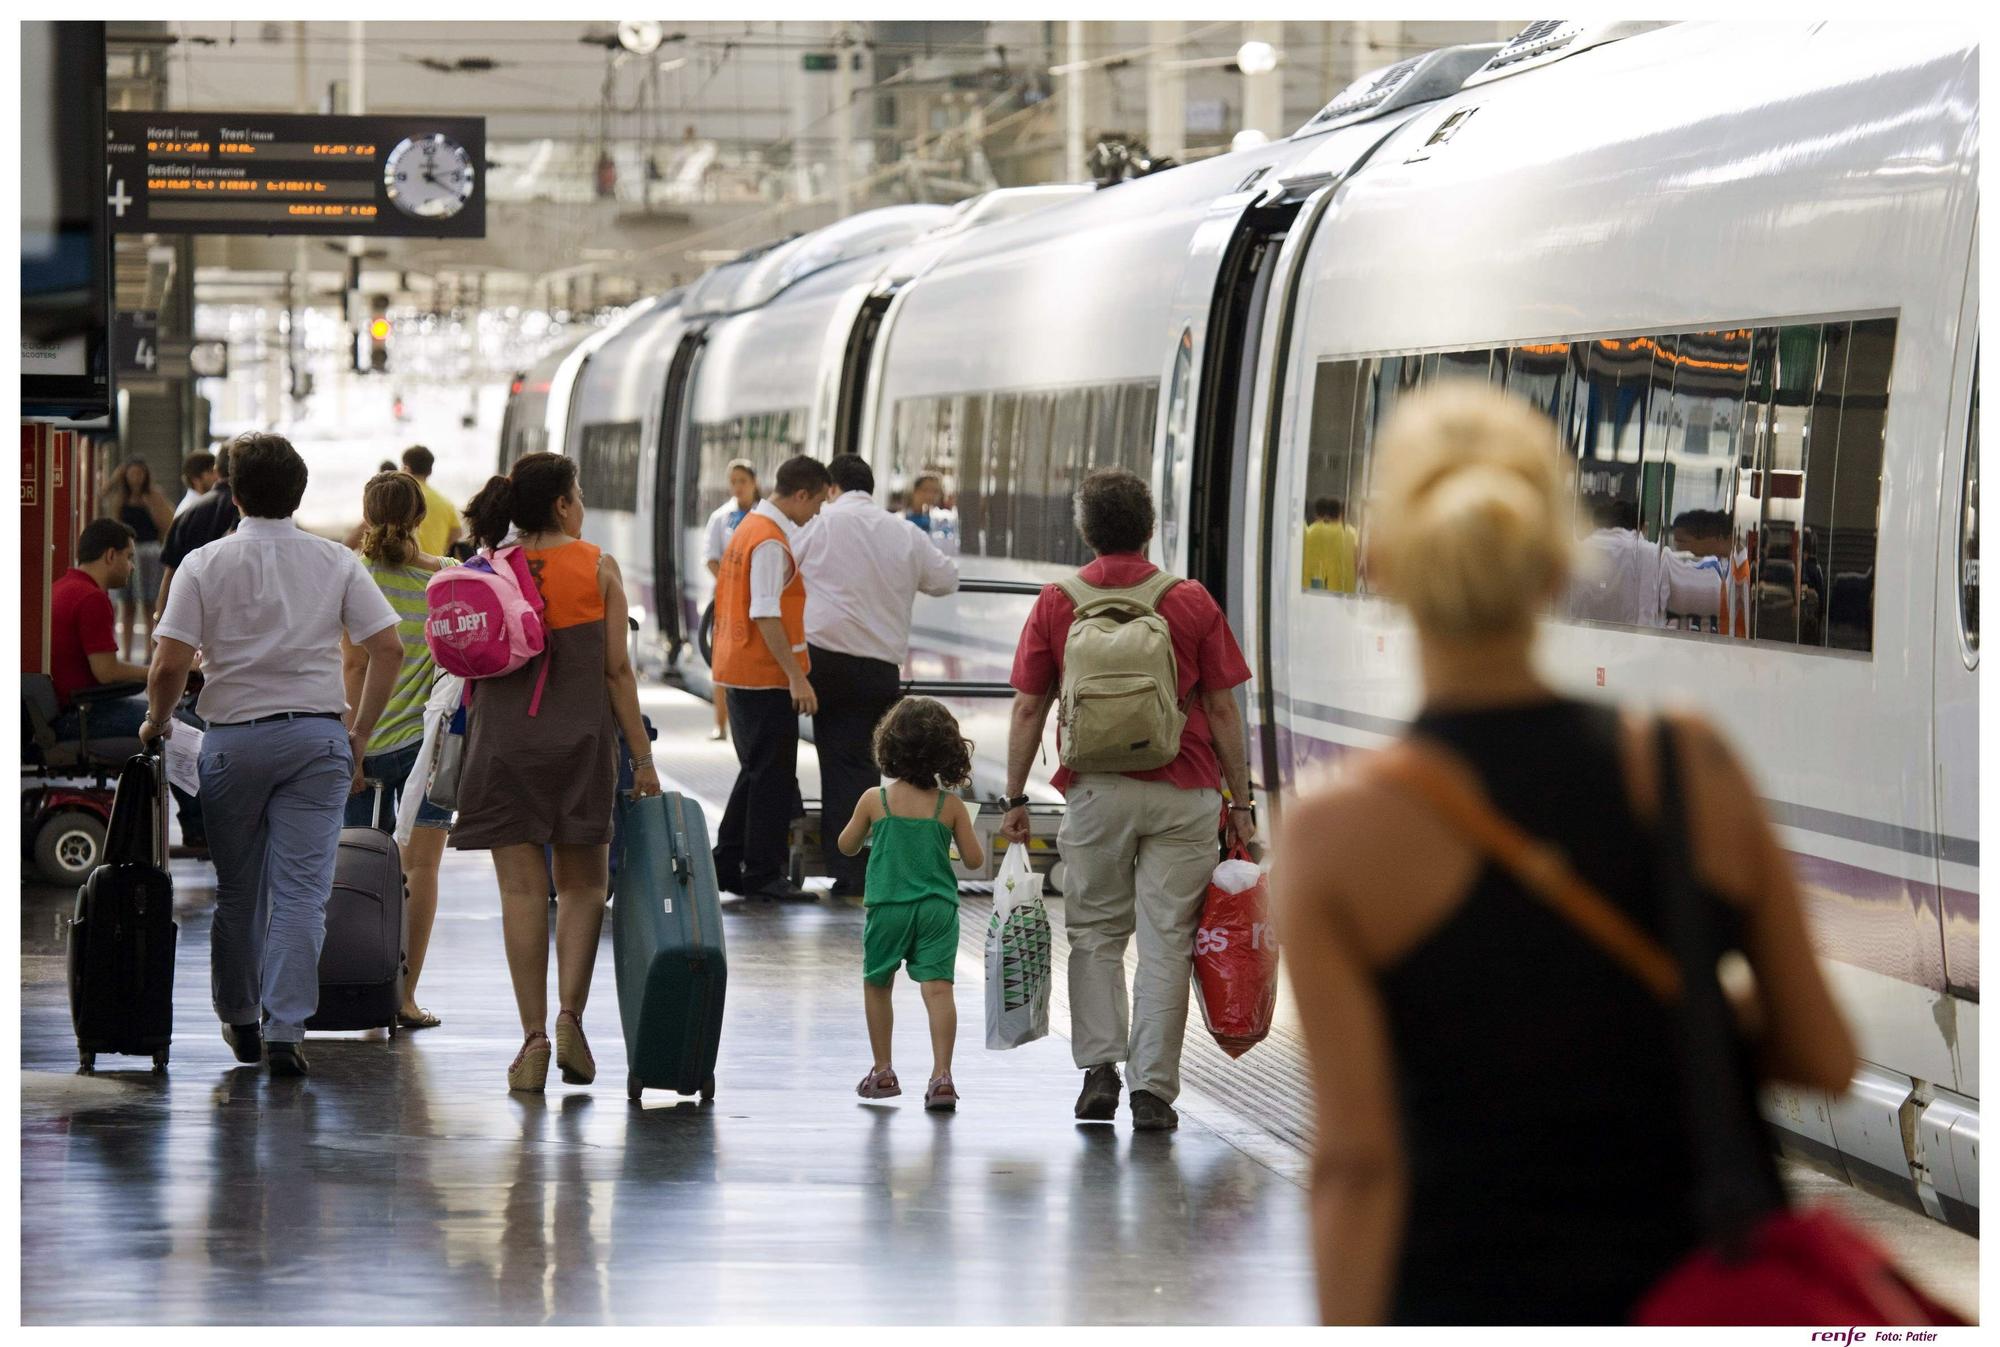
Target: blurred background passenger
x=392, y=508
x=441, y=527
x=1331, y=546
x=134, y=501
x=198, y=471
x=201, y=524
x=926, y=493
x=1628, y=578
x=1434, y=988
x=722, y=524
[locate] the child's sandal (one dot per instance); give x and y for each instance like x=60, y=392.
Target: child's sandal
x=879, y=1083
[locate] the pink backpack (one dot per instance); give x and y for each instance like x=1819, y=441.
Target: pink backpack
x=486, y=619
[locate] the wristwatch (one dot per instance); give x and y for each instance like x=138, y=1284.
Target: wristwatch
x=1012, y=802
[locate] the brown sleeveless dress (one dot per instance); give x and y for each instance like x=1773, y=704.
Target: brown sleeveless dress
x=549, y=778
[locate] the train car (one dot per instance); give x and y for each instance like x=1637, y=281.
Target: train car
x=1757, y=306
x=1761, y=304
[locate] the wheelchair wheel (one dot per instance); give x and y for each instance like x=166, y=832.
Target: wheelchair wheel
x=68, y=846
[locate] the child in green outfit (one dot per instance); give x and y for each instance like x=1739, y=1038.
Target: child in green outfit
x=912, y=894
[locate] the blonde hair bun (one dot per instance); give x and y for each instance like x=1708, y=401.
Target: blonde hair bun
x=1471, y=518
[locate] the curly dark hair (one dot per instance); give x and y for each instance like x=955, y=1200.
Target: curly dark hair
x=918, y=742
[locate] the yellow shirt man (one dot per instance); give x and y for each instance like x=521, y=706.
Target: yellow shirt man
x=1330, y=549
x=440, y=524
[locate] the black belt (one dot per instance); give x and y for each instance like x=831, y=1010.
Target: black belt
x=281, y=715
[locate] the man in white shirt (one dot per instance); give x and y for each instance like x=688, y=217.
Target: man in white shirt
x=266, y=606
x=199, y=472
x=863, y=568
x=1629, y=579
x=721, y=527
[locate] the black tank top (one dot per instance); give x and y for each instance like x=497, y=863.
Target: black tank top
x=1549, y=1175
x=140, y=520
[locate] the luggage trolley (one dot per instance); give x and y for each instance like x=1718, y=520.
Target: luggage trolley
x=1043, y=819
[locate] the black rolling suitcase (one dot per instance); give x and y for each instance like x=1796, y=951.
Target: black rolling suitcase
x=361, y=965
x=122, y=936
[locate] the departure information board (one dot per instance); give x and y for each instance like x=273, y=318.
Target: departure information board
x=274, y=173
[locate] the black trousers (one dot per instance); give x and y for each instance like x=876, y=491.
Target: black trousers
x=854, y=694
x=751, y=844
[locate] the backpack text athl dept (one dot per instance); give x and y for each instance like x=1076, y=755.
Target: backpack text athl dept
x=485, y=619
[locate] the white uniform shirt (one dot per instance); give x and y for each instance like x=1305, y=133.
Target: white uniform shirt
x=266, y=606
x=190, y=499
x=716, y=541
x=1625, y=578
x=770, y=571
x=864, y=568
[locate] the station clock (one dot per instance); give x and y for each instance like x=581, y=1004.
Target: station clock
x=429, y=176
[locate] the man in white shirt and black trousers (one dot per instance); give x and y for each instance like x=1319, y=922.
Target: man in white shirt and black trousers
x=863, y=568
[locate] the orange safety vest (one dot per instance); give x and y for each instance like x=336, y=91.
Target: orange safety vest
x=742, y=659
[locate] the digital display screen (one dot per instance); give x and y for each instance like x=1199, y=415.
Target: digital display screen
x=277, y=173
x=65, y=246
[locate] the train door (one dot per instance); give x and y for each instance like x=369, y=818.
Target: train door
x=673, y=469
x=1955, y=667
x=856, y=361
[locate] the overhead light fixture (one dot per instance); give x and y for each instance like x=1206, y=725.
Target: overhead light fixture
x=1248, y=139
x=1256, y=58
x=640, y=36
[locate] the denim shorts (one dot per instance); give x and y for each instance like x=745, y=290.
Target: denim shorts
x=392, y=769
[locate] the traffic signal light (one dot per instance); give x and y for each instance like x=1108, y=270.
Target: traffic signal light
x=378, y=335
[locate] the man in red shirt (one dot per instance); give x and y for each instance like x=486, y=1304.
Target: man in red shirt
x=83, y=641
x=1139, y=846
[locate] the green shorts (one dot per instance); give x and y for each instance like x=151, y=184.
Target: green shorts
x=923, y=934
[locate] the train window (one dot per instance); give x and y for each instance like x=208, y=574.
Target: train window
x=1333, y=451
x=1462, y=365
x=1699, y=425
x=1179, y=442
x=1778, y=484
x=1849, y=558
x=765, y=440
x=607, y=463
x=1968, y=527
x=1816, y=492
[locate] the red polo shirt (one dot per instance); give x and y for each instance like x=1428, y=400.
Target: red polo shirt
x=81, y=624
x=1206, y=656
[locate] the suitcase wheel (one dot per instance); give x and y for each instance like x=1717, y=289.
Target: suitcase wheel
x=633, y=1089
x=89, y=1059
x=708, y=1088
x=160, y=1060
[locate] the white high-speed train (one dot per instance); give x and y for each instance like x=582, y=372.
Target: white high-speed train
x=1737, y=263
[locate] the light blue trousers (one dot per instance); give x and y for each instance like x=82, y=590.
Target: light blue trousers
x=273, y=796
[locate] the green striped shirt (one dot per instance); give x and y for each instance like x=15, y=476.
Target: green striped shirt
x=402, y=720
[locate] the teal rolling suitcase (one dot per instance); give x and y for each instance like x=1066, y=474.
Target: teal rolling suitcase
x=666, y=936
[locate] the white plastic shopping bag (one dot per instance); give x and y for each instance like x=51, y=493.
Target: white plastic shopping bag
x=1018, y=956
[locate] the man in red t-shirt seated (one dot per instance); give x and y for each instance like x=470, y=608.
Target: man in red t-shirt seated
x=1140, y=846
x=83, y=638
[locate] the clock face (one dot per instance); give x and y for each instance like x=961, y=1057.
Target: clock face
x=429, y=177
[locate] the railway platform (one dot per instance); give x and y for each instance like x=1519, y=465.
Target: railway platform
x=400, y=1182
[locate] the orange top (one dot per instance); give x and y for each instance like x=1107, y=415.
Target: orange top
x=567, y=577
x=742, y=659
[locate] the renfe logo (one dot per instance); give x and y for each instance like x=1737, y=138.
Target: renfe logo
x=456, y=624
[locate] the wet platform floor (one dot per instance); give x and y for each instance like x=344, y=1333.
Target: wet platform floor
x=402, y=1183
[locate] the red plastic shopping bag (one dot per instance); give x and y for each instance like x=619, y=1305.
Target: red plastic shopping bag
x=1236, y=956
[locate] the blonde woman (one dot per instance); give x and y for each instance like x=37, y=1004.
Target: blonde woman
x=392, y=506
x=1500, y=1127
x=134, y=501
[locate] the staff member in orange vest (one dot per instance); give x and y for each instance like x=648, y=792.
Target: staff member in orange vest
x=761, y=662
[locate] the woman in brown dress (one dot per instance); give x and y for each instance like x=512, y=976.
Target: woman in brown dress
x=547, y=780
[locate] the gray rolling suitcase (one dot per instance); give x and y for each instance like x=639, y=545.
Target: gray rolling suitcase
x=361, y=964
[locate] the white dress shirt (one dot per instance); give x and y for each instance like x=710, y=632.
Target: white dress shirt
x=1626, y=578
x=864, y=568
x=770, y=568
x=266, y=606
x=190, y=499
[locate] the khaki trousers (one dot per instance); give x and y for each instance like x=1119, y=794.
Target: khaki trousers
x=1139, y=856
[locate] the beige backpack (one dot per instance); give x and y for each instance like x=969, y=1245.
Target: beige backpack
x=1119, y=711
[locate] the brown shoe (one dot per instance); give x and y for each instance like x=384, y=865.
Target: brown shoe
x=572, y=1051
x=530, y=1070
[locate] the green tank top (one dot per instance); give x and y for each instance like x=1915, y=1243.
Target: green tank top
x=402, y=722
x=909, y=859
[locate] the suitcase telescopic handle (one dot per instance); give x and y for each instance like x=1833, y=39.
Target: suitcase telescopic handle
x=156, y=761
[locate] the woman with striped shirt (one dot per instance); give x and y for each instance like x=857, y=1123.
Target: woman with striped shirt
x=392, y=505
